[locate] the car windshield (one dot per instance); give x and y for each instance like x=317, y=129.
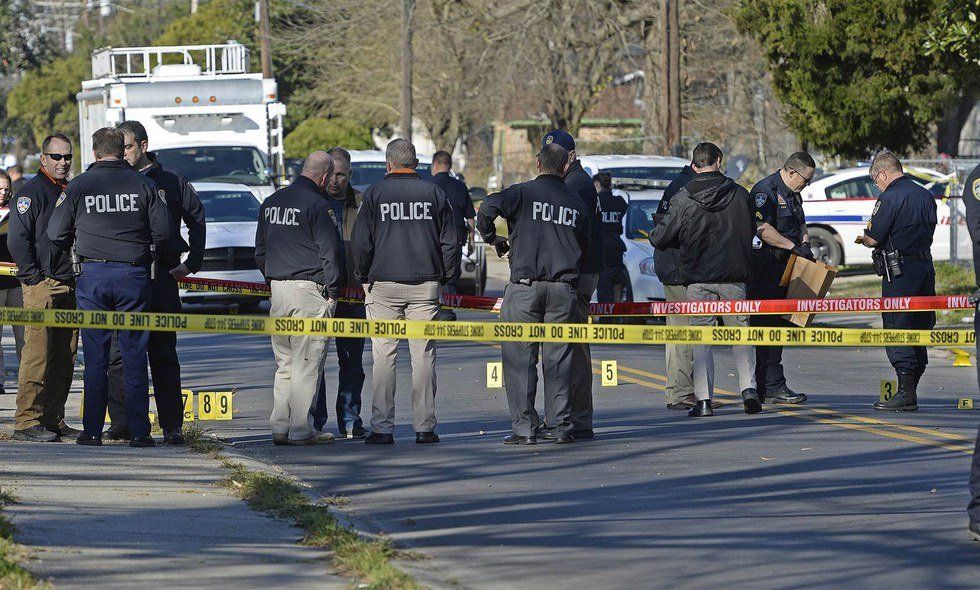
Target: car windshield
x=238, y=164
x=639, y=219
x=646, y=172
x=364, y=174
x=229, y=206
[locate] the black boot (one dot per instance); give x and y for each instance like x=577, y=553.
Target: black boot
x=750, y=399
x=905, y=399
x=702, y=407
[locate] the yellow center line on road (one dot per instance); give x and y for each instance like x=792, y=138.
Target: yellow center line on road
x=802, y=412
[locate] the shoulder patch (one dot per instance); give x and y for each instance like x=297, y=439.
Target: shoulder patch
x=61, y=199
x=23, y=204
x=877, y=206
x=976, y=189
x=333, y=216
x=760, y=199
x=163, y=195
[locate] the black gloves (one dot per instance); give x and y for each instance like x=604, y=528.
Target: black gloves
x=501, y=246
x=803, y=250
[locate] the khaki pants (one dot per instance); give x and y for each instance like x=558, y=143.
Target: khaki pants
x=704, y=364
x=47, y=360
x=12, y=298
x=401, y=301
x=680, y=357
x=299, y=358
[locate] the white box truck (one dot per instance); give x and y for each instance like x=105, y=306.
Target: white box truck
x=205, y=114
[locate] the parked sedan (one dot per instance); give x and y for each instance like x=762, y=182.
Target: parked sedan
x=232, y=212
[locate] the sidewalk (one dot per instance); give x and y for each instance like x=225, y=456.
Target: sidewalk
x=117, y=517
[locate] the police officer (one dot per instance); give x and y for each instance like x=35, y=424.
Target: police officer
x=112, y=214
x=459, y=197
x=613, y=278
x=971, y=200
x=183, y=205
x=900, y=230
x=580, y=184
x=405, y=245
x=48, y=356
x=549, y=231
x=778, y=210
x=345, y=202
x=297, y=248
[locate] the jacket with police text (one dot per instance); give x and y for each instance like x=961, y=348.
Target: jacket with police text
x=111, y=212
x=404, y=232
x=549, y=229
x=296, y=238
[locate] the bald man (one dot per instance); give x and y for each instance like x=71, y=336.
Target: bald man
x=298, y=249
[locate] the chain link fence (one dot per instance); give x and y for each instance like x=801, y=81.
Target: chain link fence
x=950, y=179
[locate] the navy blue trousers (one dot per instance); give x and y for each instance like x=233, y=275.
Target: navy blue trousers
x=350, y=378
x=769, y=375
x=164, y=364
x=108, y=286
x=918, y=278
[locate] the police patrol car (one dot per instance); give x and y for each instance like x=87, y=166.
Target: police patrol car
x=838, y=207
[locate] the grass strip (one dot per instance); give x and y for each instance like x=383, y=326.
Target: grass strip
x=12, y=575
x=352, y=555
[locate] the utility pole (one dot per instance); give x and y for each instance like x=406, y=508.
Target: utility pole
x=408, y=10
x=193, y=6
x=670, y=79
x=264, y=38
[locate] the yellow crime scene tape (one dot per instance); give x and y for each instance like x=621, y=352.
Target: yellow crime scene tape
x=482, y=331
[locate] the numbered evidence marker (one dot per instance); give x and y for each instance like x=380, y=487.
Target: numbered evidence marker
x=187, y=397
x=965, y=403
x=888, y=390
x=610, y=374
x=495, y=375
x=214, y=405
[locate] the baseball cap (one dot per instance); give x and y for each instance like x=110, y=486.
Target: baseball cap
x=562, y=138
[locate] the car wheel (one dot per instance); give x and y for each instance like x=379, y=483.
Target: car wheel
x=825, y=246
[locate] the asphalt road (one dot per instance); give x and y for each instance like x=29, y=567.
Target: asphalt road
x=828, y=495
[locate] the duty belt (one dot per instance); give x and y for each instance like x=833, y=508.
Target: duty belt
x=917, y=256
x=135, y=263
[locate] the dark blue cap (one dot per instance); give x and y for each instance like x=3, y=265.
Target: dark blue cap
x=562, y=138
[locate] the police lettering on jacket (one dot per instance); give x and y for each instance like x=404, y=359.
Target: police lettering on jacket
x=297, y=240
x=549, y=229
x=414, y=211
x=111, y=212
x=549, y=213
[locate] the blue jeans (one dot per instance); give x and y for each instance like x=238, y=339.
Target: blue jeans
x=350, y=378
x=108, y=286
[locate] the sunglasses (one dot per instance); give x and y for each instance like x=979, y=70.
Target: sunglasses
x=58, y=157
x=806, y=181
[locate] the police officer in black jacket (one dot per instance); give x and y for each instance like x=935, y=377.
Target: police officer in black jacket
x=459, y=197
x=48, y=357
x=405, y=245
x=112, y=214
x=778, y=211
x=183, y=205
x=580, y=184
x=549, y=230
x=298, y=250
x=613, y=278
x=900, y=230
x=971, y=200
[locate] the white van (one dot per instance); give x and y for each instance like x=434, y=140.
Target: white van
x=838, y=207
